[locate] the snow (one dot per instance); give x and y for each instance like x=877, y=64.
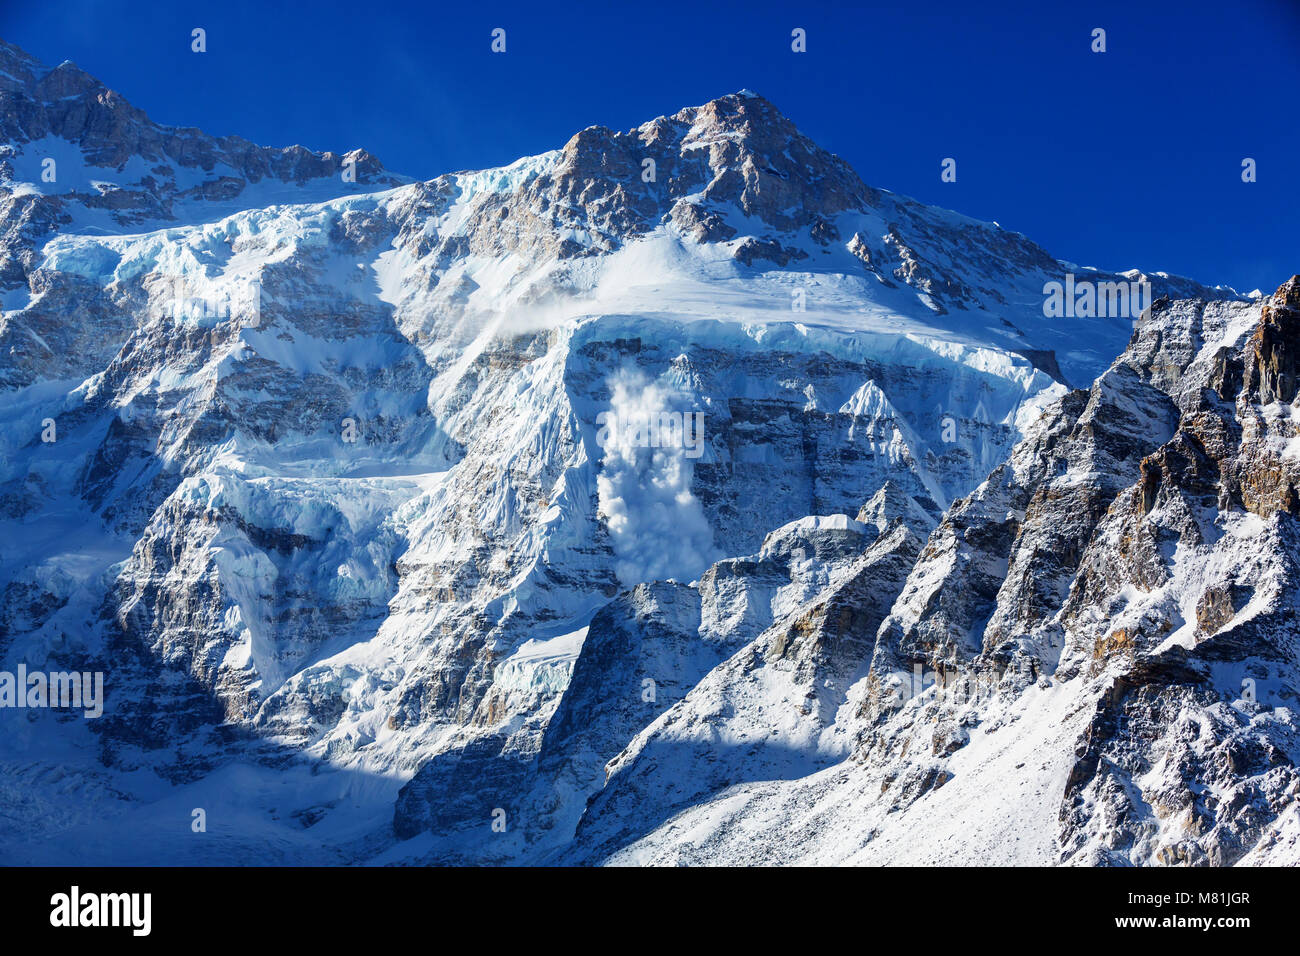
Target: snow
x=658, y=526
x=999, y=808
x=542, y=665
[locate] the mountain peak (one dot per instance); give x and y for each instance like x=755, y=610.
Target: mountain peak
x=117, y=168
x=18, y=68
x=696, y=167
x=66, y=79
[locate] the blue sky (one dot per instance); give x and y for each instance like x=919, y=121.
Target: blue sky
x=1127, y=158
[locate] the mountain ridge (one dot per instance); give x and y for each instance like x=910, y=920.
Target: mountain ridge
x=361, y=542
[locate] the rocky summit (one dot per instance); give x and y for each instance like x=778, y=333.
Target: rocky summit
x=670, y=497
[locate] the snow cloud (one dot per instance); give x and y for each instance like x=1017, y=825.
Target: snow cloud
x=658, y=526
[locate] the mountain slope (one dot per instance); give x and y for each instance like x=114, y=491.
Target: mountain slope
x=314, y=470
x=1104, y=633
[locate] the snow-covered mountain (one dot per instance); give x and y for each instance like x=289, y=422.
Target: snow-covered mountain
x=314, y=463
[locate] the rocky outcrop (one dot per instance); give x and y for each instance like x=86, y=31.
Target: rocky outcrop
x=1094, y=655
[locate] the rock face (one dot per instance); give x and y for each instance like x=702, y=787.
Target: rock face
x=357, y=491
x=1190, y=755
x=1105, y=633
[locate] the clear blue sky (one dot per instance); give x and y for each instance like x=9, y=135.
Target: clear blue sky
x=1127, y=158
